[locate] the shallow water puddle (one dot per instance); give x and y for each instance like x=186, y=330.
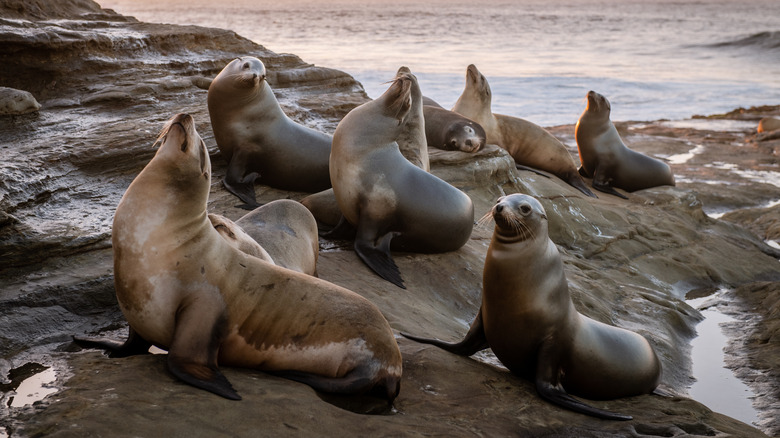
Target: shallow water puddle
x=34, y=388
x=716, y=386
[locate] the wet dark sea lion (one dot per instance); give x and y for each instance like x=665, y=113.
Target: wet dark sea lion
x=257, y=138
x=386, y=198
x=529, y=321
x=607, y=160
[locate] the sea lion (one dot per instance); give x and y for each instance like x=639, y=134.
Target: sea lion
x=413, y=146
x=288, y=231
x=529, y=321
x=258, y=139
x=607, y=160
x=768, y=124
x=390, y=201
x=238, y=238
x=185, y=289
x=529, y=144
x=451, y=131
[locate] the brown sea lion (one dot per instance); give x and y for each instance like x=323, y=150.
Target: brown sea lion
x=288, y=231
x=529, y=321
x=451, y=131
x=607, y=160
x=186, y=289
x=258, y=139
x=386, y=198
x=238, y=238
x=411, y=142
x=529, y=144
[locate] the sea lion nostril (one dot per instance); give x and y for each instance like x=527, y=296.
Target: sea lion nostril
x=499, y=208
x=468, y=143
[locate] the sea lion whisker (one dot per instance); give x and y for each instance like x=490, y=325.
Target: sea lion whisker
x=485, y=219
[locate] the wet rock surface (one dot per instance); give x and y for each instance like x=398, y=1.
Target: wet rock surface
x=107, y=83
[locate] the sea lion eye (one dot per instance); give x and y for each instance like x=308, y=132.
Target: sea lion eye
x=247, y=65
x=525, y=209
x=184, y=145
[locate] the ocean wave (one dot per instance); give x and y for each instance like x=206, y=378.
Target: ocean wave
x=762, y=40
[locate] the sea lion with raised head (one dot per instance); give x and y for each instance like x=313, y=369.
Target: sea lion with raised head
x=607, y=160
x=186, y=289
x=390, y=201
x=529, y=144
x=529, y=321
x=413, y=146
x=257, y=138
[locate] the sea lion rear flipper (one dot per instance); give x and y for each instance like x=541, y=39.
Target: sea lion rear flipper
x=549, y=387
x=378, y=258
x=200, y=329
x=473, y=342
x=355, y=382
x=239, y=183
x=134, y=345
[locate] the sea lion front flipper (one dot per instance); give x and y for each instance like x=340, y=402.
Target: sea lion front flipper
x=200, y=329
x=239, y=183
x=378, y=258
x=575, y=180
x=134, y=345
x=342, y=231
x=603, y=184
x=473, y=342
x=549, y=387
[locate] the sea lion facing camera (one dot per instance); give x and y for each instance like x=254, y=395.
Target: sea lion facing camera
x=607, y=160
x=258, y=139
x=186, y=289
x=451, y=131
x=529, y=321
x=388, y=199
x=529, y=144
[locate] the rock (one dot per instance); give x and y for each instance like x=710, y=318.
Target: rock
x=108, y=83
x=16, y=102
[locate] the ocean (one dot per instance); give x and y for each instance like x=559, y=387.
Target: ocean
x=653, y=59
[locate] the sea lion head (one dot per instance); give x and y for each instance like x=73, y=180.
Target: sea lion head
x=477, y=86
x=518, y=218
x=397, y=100
x=184, y=152
x=598, y=104
x=466, y=137
x=242, y=73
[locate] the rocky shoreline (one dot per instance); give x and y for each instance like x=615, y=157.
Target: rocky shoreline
x=106, y=83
